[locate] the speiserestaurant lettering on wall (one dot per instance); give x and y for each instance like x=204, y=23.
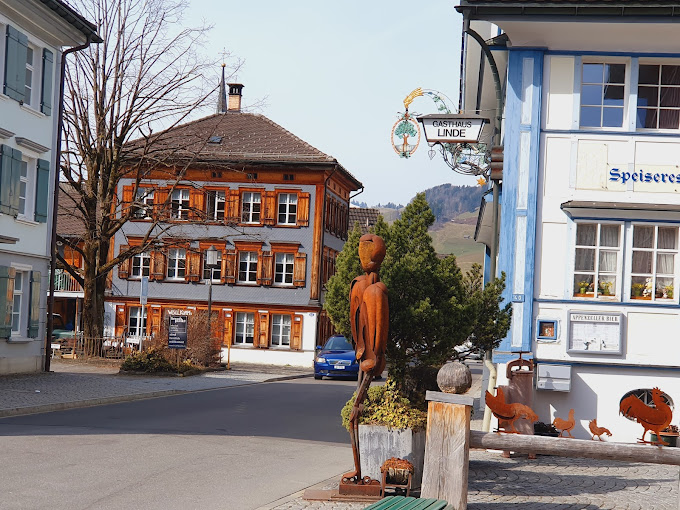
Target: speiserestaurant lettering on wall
x=641, y=175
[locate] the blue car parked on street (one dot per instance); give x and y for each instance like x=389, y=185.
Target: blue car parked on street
x=336, y=359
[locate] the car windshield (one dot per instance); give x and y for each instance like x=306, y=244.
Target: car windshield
x=338, y=343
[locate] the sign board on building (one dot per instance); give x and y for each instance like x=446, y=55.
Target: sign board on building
x=177, y=331
x=595, y=333
x=449, y=128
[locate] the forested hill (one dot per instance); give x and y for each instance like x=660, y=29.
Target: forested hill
x=448, y=201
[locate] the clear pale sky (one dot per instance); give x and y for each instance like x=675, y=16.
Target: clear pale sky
x=335, y=74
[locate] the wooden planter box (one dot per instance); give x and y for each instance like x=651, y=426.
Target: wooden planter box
x=378, y=443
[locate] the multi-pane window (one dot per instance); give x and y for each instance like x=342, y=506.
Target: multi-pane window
x=23, y=188
x=287, y=208
x=29, y=76
x=245, y=328
x=180, y=204
x=247, y=267
x=280, y=329
x=141, y=264
x=177, y=263
x=283, y=268
x=215, y=205
x=658, y=97
x=16, y=302
x=251, y=204
x=655, y=249
x=137, y=323
x=145, y=197
x=596, y=261
x=216, y=271
x=602, y=94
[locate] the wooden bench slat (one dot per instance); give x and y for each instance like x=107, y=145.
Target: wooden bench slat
x=407, y=503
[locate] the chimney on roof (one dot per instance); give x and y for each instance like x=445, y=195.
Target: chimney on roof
x=234, y=104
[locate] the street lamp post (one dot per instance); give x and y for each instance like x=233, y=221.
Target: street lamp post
x=210, y=263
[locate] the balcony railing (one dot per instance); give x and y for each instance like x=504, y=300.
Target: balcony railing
x=64, y=282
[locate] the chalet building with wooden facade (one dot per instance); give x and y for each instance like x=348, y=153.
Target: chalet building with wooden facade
x=275, y=209
x=34, y=37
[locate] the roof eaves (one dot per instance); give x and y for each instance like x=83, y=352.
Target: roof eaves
x=74, y=19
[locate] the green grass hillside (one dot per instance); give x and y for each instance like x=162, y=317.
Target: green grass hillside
x=457, y=237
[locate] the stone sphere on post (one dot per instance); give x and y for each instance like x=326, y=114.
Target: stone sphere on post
x=454, y=377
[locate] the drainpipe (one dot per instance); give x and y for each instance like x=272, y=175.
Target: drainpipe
x=55, y=205
x=495, y=187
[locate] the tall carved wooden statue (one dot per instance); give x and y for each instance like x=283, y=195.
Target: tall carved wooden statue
x=369, y=316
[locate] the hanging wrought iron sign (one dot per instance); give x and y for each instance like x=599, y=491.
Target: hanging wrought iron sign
x=452, y=128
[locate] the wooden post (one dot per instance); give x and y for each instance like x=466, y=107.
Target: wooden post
x=447, y=449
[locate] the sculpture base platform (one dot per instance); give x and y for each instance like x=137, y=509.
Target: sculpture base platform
x=371, y=488
x=334, y=495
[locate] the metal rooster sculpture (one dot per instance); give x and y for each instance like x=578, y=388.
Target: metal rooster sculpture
x=597, y=431
x=654, y=418
x=508, y=412
x=369, y=318
x=565, y=425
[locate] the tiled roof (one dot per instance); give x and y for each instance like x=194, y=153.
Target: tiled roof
x=364, y=216
x=69, y=218
x=230, y=138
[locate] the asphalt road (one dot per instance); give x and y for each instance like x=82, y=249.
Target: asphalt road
x=235, y=448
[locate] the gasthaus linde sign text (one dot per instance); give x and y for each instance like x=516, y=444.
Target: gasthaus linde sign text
x=443, y=129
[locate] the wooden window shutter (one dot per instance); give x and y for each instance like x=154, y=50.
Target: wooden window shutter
x=155, y=320
x=266, y=268
x=270, y=209
x=157, y=269
x=233, y=201
x=196, y=204
x=16, y=51
x=42, y=187
x=303, y=210
x=193, y=266
x=6, y=300
x=34, y=307
x=120, y=321
x=161, y=209
x=228, y=326
x=10, y=179
x=124, y=266
x=300, y=269
x=46, y=89
x=296, y=333
x=263, y=333
x=128, y=198
x=230, y=267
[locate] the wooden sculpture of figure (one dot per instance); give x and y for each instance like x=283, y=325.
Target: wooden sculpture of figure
x=369, y=318
x=565, y=425
x=651, y=418
x=597, y=431
x=508, y=412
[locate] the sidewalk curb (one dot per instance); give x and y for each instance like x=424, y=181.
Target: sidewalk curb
x=298, y=494
x=75, y=404
x=289, y=377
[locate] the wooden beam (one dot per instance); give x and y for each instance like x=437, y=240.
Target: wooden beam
x=563, y=447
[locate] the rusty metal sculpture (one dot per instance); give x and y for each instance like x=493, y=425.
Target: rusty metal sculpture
x=369, y=318
x=654, y=418
x=565, y=425
x=508, y=412
x=597, y=431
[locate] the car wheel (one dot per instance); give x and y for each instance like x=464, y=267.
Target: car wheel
x=317, y=377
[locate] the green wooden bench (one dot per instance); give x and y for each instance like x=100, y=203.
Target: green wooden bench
x=407, y=503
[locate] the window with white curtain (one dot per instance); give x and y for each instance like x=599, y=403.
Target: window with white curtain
x=281, y=330
x=654, y=250
x=245, y=328
x=596, y=260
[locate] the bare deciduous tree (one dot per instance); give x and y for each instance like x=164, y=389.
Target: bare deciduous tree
x=146, y=76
